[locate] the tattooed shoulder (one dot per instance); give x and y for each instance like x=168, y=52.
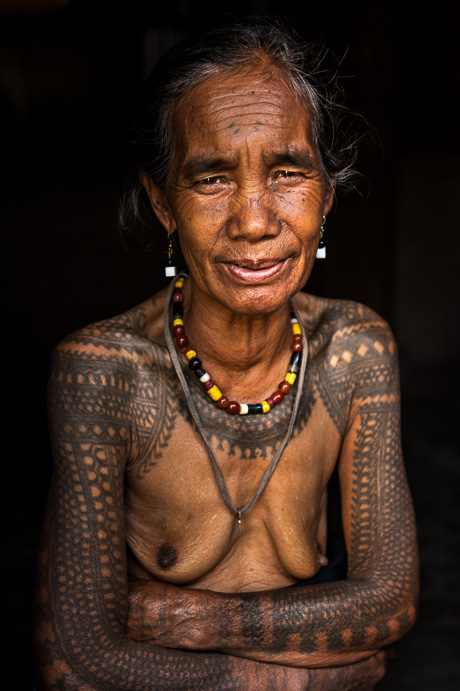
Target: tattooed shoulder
x=352, y=353
x=108, y=384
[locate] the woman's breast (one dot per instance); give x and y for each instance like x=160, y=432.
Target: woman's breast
x=177, y=543
x=260, y=560
x=279, y=544
x=178, y=528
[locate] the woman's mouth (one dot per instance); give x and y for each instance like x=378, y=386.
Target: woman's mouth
x=258, y=271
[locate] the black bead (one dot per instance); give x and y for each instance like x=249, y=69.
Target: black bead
x=259, y=408
x=252, y=408
x=199, y=372
x=178, y=310
x=194, y=364
x=295, y=359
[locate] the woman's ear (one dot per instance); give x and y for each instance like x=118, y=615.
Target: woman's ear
x=330, y=195
x=159, y=203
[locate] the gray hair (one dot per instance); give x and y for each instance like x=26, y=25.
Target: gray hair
x=231, y=47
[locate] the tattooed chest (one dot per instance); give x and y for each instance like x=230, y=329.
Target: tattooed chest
x=179, y=528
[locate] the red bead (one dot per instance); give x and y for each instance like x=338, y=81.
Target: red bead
x=277, y=397
x=182, y=341
x=223, y=402
x=208, y=384
x=178, y=330
x=284, y=387
x=297, y=338
x=297, y=346
x=270, y=402
x=233, y=408
x=177, y=296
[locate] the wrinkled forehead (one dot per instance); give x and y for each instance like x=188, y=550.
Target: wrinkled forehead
x=257, y=99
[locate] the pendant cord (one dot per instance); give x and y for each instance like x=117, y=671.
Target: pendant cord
x=201, y=429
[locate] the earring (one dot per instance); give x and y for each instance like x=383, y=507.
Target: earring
x=321, y=251
x=170, y=269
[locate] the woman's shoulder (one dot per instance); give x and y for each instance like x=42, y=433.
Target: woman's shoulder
x=130, y=337
x=345, y=323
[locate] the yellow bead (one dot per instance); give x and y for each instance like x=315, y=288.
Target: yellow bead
x=178, y=322
x=214, y=393
x=189, y=354
x=179, y=283
x=290, y=378
x=296, y=330
x=265, y=407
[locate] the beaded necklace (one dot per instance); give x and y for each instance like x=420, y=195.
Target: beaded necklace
x=238, y=512
x=233, y=407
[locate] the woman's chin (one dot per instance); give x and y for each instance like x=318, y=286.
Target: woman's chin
x=256, y=299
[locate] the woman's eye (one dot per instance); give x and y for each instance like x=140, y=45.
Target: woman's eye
x=210, y=181
x=283, y=174
x=211, y=185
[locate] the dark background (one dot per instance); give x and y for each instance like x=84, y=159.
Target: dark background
x=69, y=73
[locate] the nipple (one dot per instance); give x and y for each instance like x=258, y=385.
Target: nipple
x=320, y=557
x=167, y=556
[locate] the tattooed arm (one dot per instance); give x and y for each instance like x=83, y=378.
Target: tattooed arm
x=81, y=595
x=334, y=623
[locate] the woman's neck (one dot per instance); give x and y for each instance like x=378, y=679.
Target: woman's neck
x=247, y=355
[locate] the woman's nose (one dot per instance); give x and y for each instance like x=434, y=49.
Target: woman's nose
x=252, y=218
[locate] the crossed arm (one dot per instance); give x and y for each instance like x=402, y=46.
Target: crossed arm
x=86, y=636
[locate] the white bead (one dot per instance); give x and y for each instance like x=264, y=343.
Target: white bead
x=205, y=378
x=321, y=253
x=170, y=271
x=244, y=408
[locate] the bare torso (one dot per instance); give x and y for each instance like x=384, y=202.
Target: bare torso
x=132, y=471
x=178, y=528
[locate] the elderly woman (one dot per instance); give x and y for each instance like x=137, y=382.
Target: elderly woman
x=186, y=540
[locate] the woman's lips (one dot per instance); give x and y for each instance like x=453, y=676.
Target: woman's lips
x=252, y=274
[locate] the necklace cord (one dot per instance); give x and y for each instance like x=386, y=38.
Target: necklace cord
x=196, y=416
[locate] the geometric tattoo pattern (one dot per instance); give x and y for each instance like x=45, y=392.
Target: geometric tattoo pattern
x=114, y=395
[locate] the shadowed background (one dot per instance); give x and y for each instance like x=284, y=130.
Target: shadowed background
x=69, y=74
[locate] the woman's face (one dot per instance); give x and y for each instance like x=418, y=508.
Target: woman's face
x=246, y=192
